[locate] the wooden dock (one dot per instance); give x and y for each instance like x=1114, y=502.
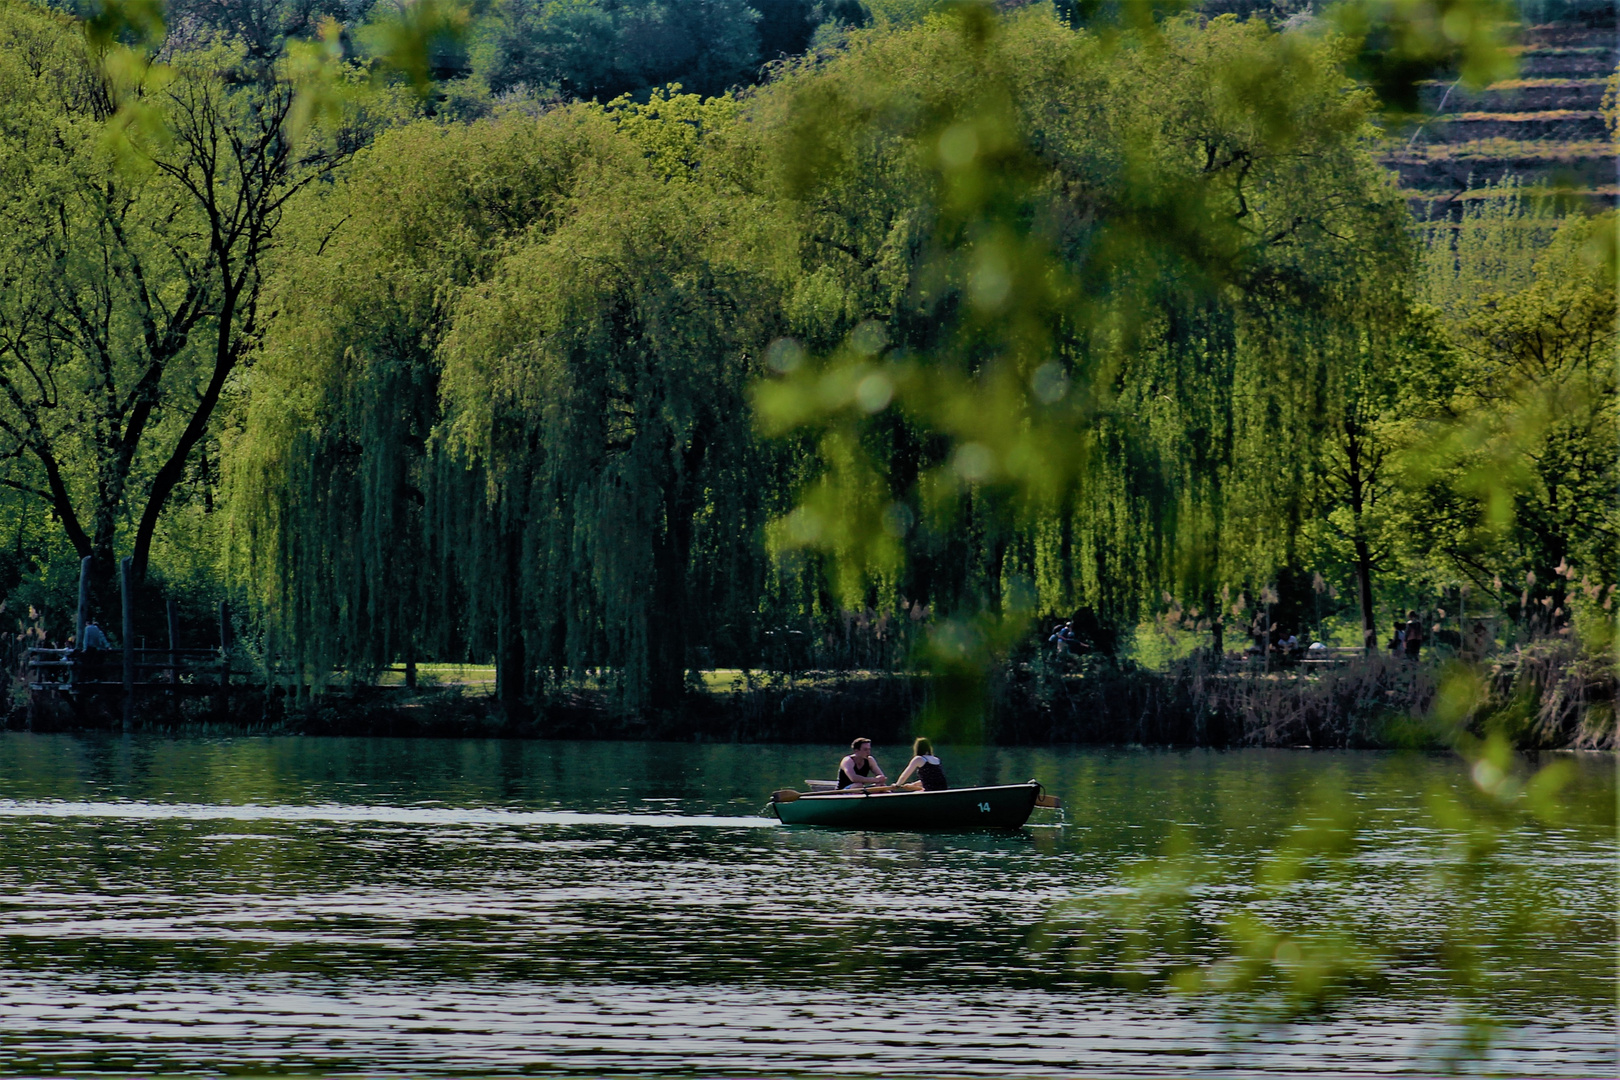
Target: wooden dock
x=95, y=681
x=85, y=681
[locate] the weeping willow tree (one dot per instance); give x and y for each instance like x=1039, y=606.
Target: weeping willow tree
x=503, y=413
x=598, y=382
x=332, y=469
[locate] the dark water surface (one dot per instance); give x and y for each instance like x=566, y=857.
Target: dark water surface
x=387, y=906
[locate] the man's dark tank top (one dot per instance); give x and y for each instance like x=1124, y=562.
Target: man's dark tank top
x=863, y=769
x=932, y=776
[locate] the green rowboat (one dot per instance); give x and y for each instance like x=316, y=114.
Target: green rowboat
x=1004, y=807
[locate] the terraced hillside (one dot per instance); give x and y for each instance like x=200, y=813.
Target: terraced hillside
x=1545, y=127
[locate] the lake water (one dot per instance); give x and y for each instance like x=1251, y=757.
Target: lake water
x=389, y=906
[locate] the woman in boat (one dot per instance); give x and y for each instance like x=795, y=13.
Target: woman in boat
x=926, y=766
x=860, y=768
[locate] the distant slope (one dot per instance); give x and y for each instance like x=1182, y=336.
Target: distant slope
x=1544, y=127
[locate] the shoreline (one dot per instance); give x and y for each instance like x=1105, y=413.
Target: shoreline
x=1547, y=702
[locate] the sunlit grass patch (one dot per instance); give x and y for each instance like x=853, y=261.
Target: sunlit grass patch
x=442, y=675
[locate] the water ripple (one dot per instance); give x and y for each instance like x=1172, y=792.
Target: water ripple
x=397, y=815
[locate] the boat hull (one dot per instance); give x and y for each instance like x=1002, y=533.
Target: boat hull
x=1003, y=807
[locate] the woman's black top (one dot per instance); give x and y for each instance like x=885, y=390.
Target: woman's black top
x=863, y=769
x=932, y=775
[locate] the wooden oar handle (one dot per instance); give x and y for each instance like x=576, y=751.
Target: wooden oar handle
x=789, y=795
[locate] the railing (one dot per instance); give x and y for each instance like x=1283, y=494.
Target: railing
x=79, y=676
x=71, y=671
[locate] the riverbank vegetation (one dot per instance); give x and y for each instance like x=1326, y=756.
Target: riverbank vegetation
x=934, y=332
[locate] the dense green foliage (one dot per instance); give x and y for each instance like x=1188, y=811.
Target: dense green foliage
x=1531, y=376
x=968, y=321
x=138, y=207
x=1151, y=420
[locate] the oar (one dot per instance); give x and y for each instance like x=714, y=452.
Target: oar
x=787, y=795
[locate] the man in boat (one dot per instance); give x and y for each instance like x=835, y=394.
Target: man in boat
x=860, y=768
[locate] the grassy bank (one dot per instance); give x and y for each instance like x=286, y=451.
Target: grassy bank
x=1544, y=698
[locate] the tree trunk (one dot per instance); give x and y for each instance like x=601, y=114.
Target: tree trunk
x=126, y=596
x=226, y=349
x=86, y=611
x=672, y=554
x=1359, y=481
x=511, y=659
x=666, y=647
x=1369, y=624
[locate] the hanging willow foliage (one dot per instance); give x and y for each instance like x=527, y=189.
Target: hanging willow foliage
x=599, y=379
x=1023, y=318
x=1100, y=278
x=332, y=469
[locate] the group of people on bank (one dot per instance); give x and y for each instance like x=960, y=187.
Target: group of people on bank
x=860, y=769
x=1408, y=638
x=1406, y=641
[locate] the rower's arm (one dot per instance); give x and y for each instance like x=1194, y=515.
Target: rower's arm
x=916, y=763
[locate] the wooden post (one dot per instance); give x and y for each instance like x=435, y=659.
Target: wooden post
x=129, y=639
x=173, y=614
x=1268, y=637
x=82, y=618
x=84, y=603
x=225, y=640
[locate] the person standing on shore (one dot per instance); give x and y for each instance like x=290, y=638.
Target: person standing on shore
x=1414, y=635
x=94, y=639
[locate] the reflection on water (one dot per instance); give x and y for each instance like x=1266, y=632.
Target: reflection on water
x=452, y=906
